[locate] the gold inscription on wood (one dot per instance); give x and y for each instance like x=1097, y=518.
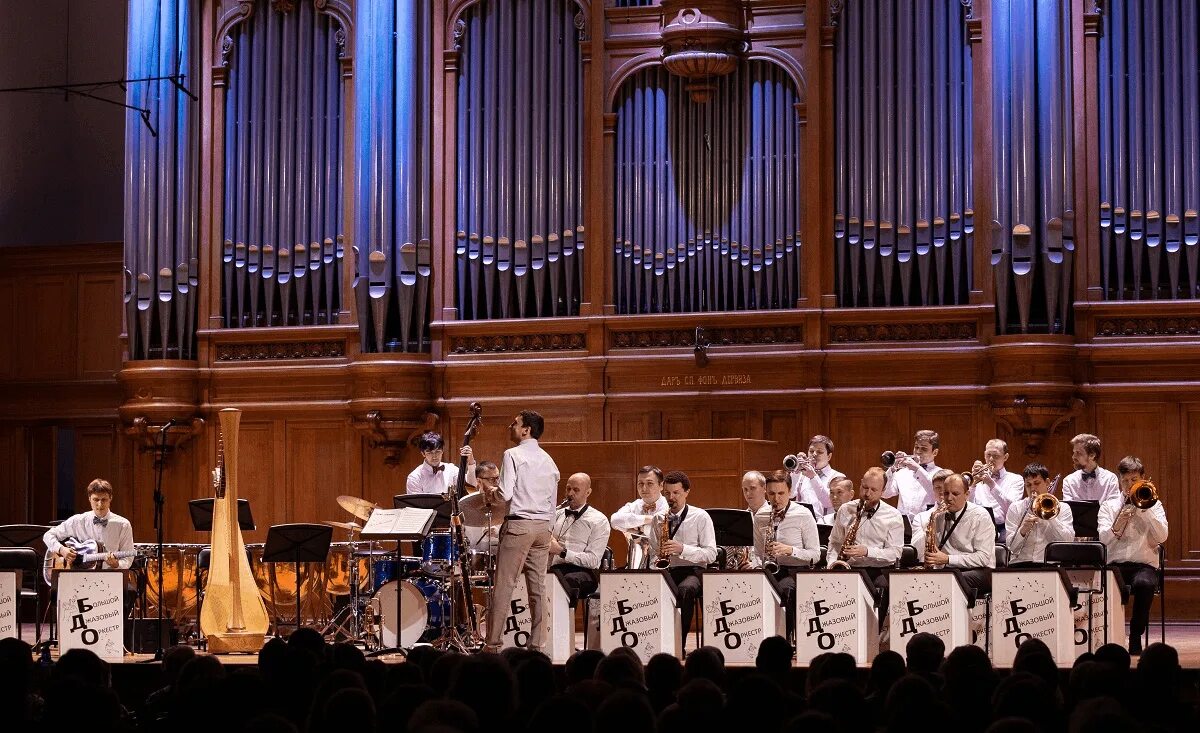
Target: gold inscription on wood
x=705, y=380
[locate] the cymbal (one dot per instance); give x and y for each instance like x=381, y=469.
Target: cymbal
x=350, y=526
x=360, y=508
x=474, y=511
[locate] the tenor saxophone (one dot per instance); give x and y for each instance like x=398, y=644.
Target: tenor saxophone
x=770, y=564
x=663, y=561
x=842, y=562
x=931, y=545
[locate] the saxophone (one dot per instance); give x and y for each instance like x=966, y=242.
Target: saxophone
x=930, y=533
x=663, y=561
x=842, y=562
x=770, y=564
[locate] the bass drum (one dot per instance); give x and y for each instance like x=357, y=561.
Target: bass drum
x=420, y=605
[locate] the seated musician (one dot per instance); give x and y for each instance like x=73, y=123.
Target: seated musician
x=434, y=476
x=841, y=490
x=578, y=538
x=878, y=534
x=1132, y=532
x=810, y=481
x=963, y=536
x=636, y=516
x=487, y=478
x=691, y=546
x=754, y=490
x=1027, y=533
x=911, y=477
x=111, y=532
x=995, y=487
x=1089, y=481
x=785, y=533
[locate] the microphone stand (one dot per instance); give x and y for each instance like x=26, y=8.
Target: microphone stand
x=160, y=455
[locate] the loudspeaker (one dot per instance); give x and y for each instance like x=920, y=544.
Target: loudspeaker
x=140, y=635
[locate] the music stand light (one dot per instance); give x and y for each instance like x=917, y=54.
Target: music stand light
x=201, y=511
x=297, y=543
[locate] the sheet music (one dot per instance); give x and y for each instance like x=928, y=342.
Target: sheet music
x=396, y=523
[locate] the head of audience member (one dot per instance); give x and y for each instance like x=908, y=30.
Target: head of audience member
x=925, y=653
x=664, y=675
x=913, y=705
x=995, y=454
x=779, y=491
x=754, y=489
x=705, y=663
x=841, y=490
x=485, y=683
x=431, y=445
x=954, y=493
x=925, y=447
x=622, y=669
x=85, y=666
x=1033, y=656
x=527, y=425
x=830, y=666
x=558, y=708
x=774, y=657
x=820, y=451
x=676, y=486
x=579, y=488
x=1159, y=667
x=1085, y=451
x=1037, y=479
x=100, y=494
x=582, y=665
x=1115, y=655
x=886, y=669
x=650, y=484
x=1129, y=470
x=1090, y=680
x=442, y=715
x=1025, y=695
x=870, y=489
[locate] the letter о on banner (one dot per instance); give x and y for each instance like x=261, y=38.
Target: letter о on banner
x=90, y=611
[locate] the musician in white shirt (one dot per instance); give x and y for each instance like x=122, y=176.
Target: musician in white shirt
x=434, y=476
x=841, y=490
x=1132, y=536
x=692, y=544
x=111, y=532
x=529, y=482
x=1089, y=481
x=785, y=533
x=1028, y=534
x=810, y=482
x=578, y=538
x=964, y=536
x=754, y=491
x=997, y=488
x=911, y=476
x=634, y=520
x=880, y=536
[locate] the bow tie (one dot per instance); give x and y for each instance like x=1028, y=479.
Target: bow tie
x=439, y=467
x=1088, y=475
x=577, y=513
x=925, y=466
x=102, y=522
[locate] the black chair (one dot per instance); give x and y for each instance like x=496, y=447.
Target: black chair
x=1002, y=556
x=1076, y=554
x=1162, y=597
x=29, y=563
x=719, y=563
x=907, y=528
x=908, y=557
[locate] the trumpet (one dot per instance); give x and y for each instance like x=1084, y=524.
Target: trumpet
x=980, y=471
x=797, y=461
x=1143, y=494
x=891, y=457
x=663, y=561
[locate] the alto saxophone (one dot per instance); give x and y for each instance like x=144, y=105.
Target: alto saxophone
x=663, y=561
x=842, y=562
x=770, y=564
x=930, y=532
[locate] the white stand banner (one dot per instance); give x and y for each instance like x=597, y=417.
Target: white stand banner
x=835, y=612
x=1105, y=607
x=932, y=601
x=560, y=631
x=90, y=612
x=10, y=585
x=1032, y=604
x=638, y=611
x=741, y=608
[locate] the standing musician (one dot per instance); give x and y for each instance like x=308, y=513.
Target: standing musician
x=1089, y=481
x=880, y=535
x=692, y=543
x=785, y=534
x=110, y=530
x=810, y=481
x=529, y=482
x=992, y=486
x=841, y=490
x=964, y=537
x=1132, y=530
x=433, y=476
x=578, y=538
x=911, y=477
x=1028, y=534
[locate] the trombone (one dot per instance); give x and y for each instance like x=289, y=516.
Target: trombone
x=1045, y=506
x=1142, y=494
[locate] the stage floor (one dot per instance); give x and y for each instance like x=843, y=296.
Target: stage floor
x=1184, y=636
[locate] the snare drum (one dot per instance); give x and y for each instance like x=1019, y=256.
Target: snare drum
x=422, y=605
x=438, y=554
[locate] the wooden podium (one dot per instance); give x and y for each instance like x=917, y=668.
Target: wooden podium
x=933, y=601
x=835, y=612
x=1099, y=598
x=560, y=631
x=1032, y=604
x=741, y=608
x=638, y=611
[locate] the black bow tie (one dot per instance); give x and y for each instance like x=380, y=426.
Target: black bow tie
x=1088, y=475
x=577, y=513
x=925, y=466
x=439, y=467
x=102, y=522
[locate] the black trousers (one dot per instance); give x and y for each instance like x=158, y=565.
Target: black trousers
x=580, y=581
x=687, y=590
x=978, y=578
x=785, y=579
x=1143, y=581
x=879, y=577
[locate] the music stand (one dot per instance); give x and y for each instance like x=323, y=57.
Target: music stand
x=733, y=527
x=297, y=543
x=1085, y=516
x=201, y=511
x=22, y=535
x=437, y=502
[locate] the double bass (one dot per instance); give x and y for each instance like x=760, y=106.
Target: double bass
x=234, y=617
